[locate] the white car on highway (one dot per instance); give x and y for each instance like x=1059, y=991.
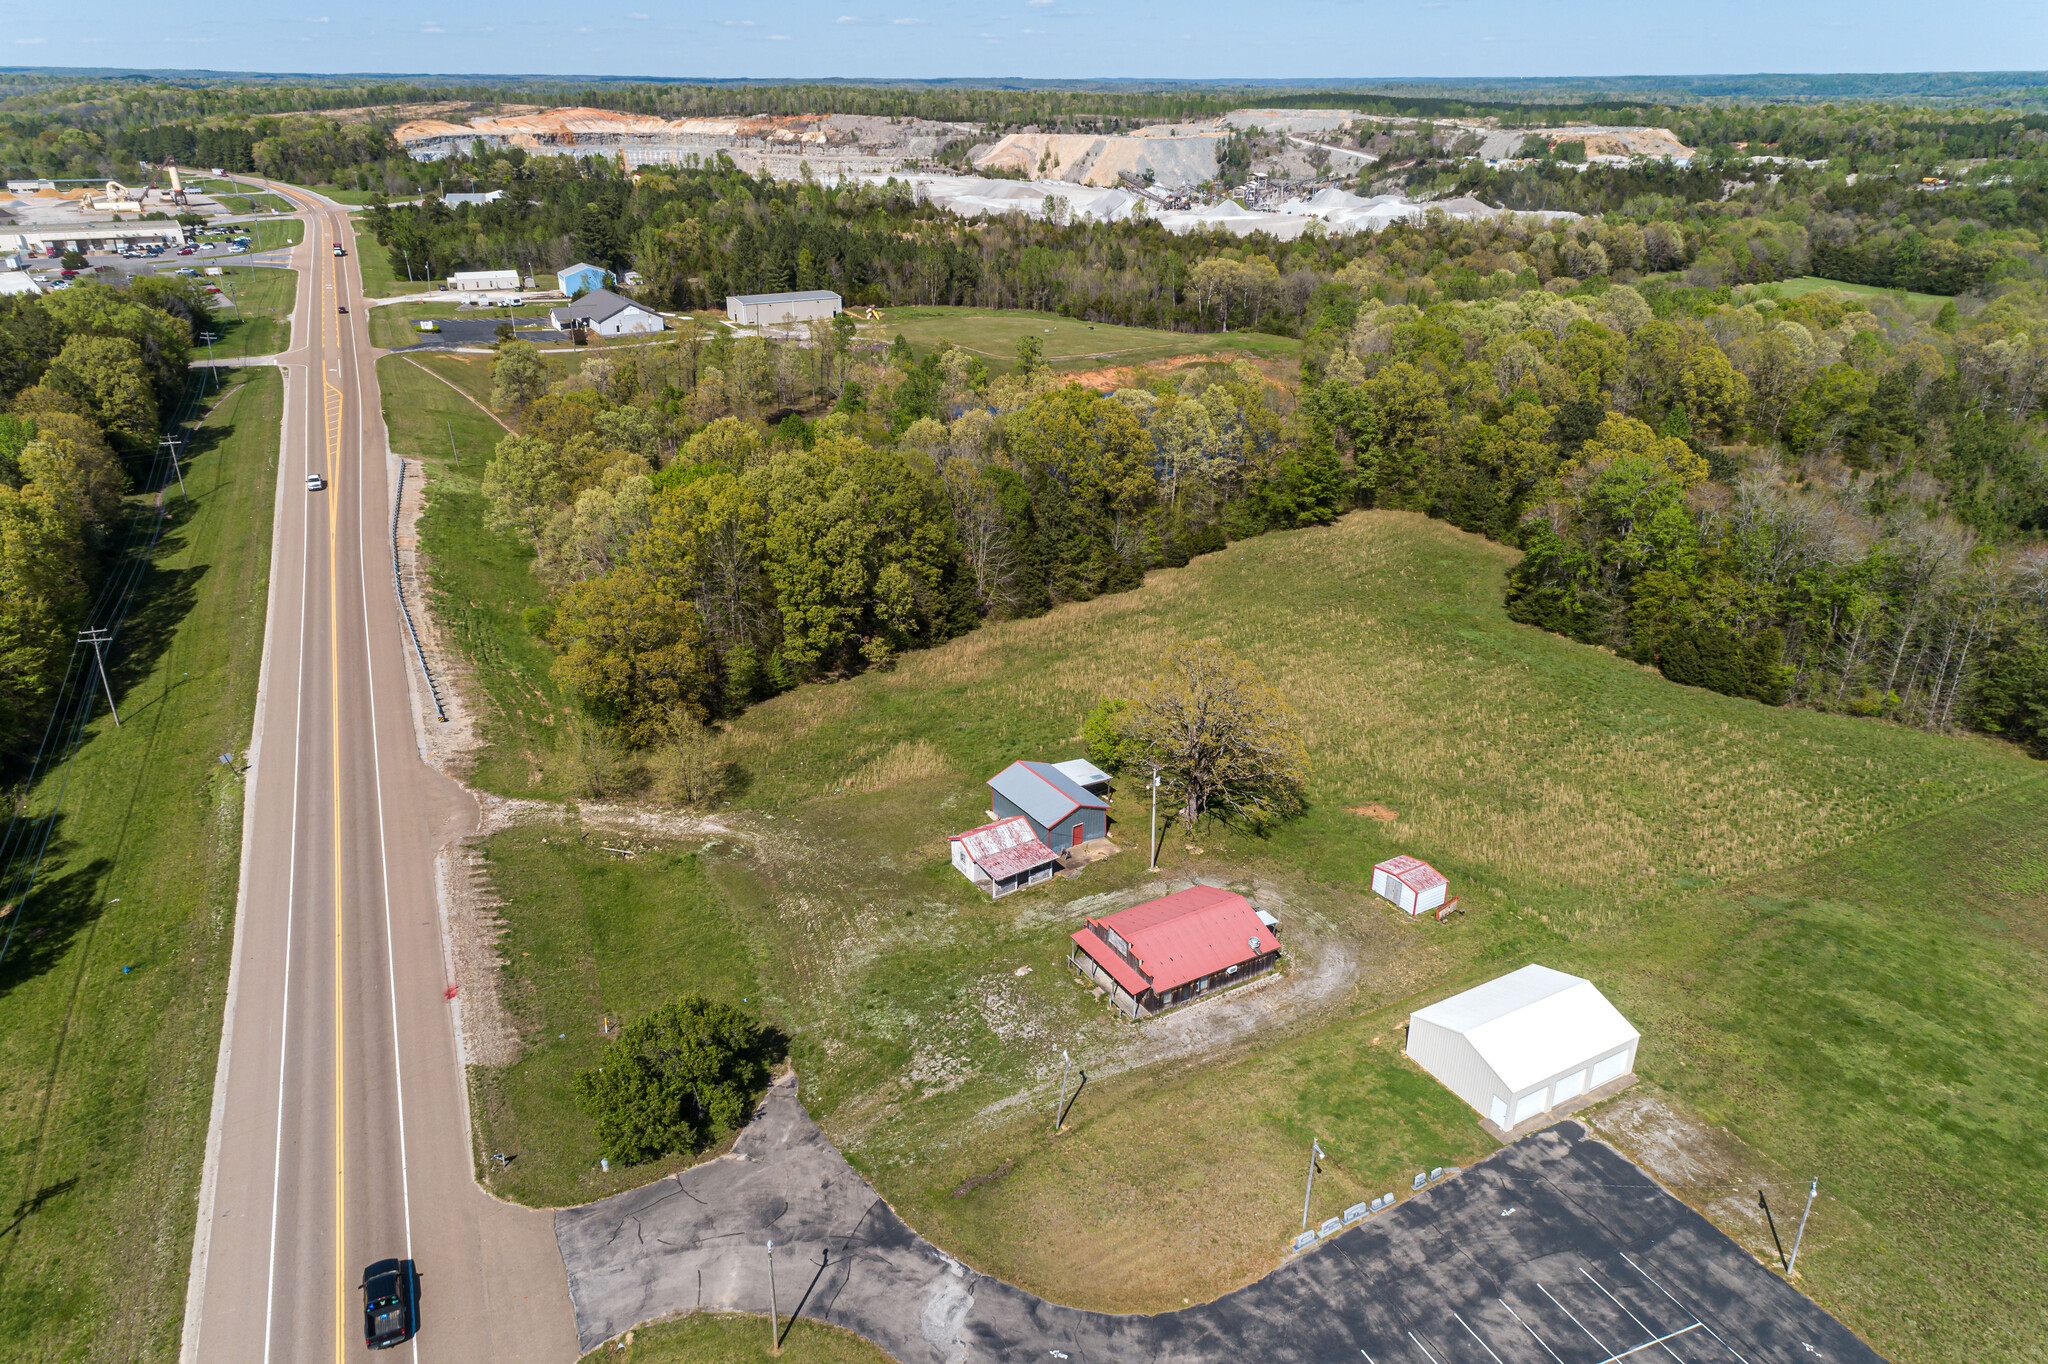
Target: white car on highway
x=314, y=483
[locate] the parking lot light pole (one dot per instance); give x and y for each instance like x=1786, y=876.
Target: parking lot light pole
x=1315, y=1153
x=774, y=1331
x=1059, y=1115
x=1800, y=1235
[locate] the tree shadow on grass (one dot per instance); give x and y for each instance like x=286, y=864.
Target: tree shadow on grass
x=49, y=919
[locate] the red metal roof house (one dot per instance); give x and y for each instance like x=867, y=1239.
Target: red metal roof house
x=1175, y=949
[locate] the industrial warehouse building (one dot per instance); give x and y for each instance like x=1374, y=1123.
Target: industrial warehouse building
x=776, y=310
x=1063, y=813
x=91, y=237
x=607, y=314
x=1175, y=949
x=480, y=281
x=1517, y=1047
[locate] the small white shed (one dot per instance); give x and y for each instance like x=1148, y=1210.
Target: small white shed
x=1523, y=1044
x=1411, y=883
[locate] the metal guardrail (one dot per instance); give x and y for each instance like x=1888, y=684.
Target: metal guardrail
x=404, y=609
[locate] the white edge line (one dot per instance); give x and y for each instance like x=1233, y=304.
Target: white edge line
x=202, y=1237
x=1475, y=1335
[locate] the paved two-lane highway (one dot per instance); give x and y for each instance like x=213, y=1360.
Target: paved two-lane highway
x=340, y=1133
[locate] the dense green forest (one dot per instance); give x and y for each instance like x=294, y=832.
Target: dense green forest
x=86, y=378
x=1810, y=496
x=1837, y=499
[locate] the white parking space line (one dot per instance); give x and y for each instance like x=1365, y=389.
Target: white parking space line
x=1648, y=1343
x=1476, y=1336
x=1646, y=1328
x=1681, y=1306
x=1425, y=1350
x=1604, y=1347
x=1530, y=1329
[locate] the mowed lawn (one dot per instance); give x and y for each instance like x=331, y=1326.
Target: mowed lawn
x=1593, y=816
x=111, y=994
x=1069, y=344
x=595, y=935
x=260, y=321
x=272, y=233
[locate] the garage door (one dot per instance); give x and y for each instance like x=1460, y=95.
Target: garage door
x=1529, y=1105
x=1571, y=1086
x=1612, y=1068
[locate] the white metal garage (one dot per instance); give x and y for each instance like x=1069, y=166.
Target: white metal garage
x=1521, y=1045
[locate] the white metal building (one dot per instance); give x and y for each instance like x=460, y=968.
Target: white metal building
x=1519, y=1046
x=18, y=282
x=753, y=310
x=92, y=237
x=468, y=281
x=1411, y=883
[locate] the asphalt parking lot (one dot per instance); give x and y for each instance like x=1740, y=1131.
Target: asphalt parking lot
x=1555, y=1250
x=481, y=330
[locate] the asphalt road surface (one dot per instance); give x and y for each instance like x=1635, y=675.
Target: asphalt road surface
x=340, y=1133
x=1555, y=1250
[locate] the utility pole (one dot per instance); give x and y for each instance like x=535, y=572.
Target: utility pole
x=1059, y=1115
x=171, y=443
x=1800, y=1235
x=1155, y=821
x=99, y=639
x=1315, y=1153
x=774, y=1331
x=209, y=338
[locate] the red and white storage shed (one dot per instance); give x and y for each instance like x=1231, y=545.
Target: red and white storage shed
x=1411, y=883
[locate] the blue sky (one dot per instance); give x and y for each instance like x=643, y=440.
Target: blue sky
x=1193, y=39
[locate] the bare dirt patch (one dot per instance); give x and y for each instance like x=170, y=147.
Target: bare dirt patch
x=1374, y=810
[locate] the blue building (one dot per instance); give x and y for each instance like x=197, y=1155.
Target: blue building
x=1062, y=812
x=584, y=279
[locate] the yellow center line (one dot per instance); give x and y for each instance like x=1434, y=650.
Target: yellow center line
x=334, y=415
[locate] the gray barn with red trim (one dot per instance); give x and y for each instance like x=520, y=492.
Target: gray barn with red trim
x=1062, y=812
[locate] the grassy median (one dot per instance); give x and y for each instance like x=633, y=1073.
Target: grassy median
x=111, y=996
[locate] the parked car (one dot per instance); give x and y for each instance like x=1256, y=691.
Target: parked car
x=187, y=250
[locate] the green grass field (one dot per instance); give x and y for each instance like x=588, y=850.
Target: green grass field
x=111, y=996
x=391, y=325
x=1806, y=284
x=375, y=264
x=253, y=203
x=598, y=935
x=1069, y=345
x=1719, y=867
x=706, y=1338
x=260, y=321
x=273, y=233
